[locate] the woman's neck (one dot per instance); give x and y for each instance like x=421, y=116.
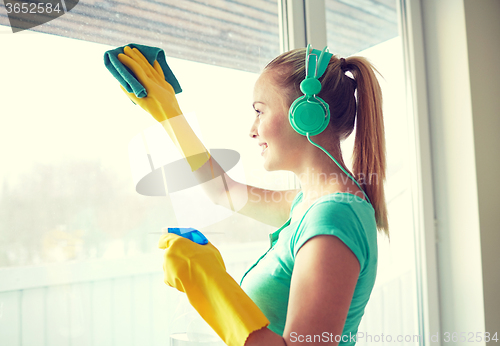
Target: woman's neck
x=319, y=175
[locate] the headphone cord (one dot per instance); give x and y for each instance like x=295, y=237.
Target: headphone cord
x=343, y=170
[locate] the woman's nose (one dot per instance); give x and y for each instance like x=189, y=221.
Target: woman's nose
x=253, y=130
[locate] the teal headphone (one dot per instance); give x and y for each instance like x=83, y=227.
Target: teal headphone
x=309, y=115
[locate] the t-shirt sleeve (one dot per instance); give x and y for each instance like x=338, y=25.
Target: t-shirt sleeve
x=332, y=218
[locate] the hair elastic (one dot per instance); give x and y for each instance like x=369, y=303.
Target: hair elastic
x=343, y=64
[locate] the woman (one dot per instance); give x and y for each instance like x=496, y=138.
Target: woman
x=313, y=284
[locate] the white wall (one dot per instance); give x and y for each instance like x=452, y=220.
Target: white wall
x=463, y=74
x=482, y=19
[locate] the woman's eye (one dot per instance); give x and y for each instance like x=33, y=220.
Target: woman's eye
x=258, y=112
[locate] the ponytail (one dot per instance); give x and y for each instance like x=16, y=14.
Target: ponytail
x=369, y=156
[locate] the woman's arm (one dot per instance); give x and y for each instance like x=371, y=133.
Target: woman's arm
x=323, y=282
x=162, y=104
x=267, y=206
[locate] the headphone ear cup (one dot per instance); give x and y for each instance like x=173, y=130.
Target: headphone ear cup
x=309, y=115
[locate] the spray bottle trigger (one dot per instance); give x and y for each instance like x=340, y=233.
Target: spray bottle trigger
x=189, y=233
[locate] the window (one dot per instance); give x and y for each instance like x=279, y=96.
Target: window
x=78, y=257
x=78, y=253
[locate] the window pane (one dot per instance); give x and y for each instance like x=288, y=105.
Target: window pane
x=353, y=26
x=79, y=262
x=67, y=187
x=369, y=28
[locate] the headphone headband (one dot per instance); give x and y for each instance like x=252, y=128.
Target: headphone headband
x=317, y=66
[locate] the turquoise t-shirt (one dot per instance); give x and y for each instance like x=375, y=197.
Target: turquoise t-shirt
x=343, y=215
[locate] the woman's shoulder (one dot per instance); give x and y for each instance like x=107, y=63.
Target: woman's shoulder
x=348, y=217
x=332, y=206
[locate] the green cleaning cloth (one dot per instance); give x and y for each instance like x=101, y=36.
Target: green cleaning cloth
x=127, y=78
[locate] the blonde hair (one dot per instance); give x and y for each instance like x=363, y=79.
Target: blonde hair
x=355, y=101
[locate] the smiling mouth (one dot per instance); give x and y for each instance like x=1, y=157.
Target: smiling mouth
x=264, y=148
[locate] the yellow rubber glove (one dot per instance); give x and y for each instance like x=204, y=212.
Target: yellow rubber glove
x=199, y=271
x=162, y=104
x=160, y=101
